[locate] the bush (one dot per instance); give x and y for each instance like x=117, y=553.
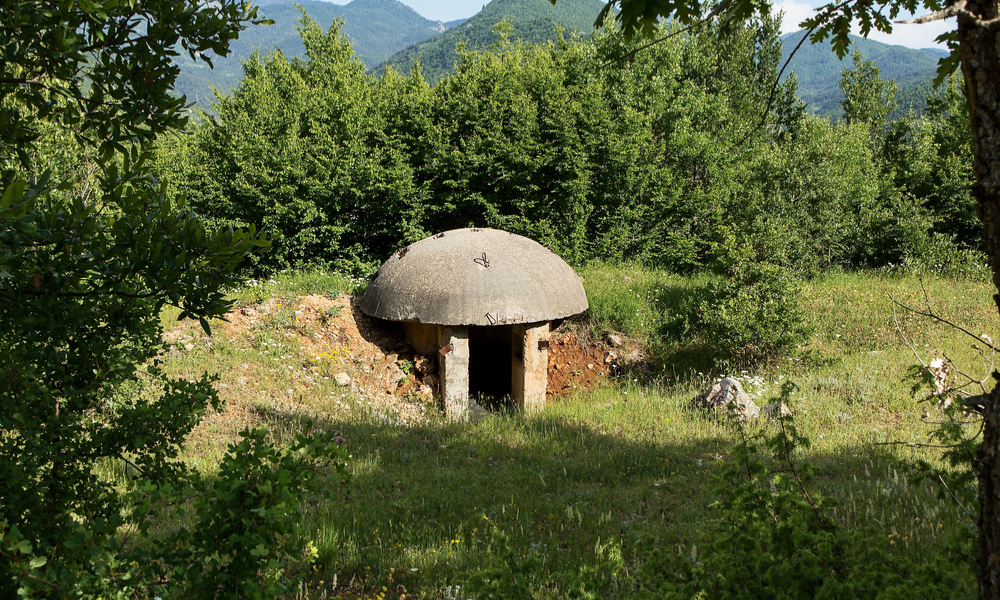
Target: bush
x=776, y=535
x=749, y=316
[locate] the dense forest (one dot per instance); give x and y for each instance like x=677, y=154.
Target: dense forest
x=667, y=158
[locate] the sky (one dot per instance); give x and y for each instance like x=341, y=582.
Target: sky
x=912, y=36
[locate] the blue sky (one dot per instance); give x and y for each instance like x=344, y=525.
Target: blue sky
x=913, y=36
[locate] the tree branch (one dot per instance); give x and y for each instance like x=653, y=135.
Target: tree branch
x=957, y=9
x=632, y=53
x=933, y=316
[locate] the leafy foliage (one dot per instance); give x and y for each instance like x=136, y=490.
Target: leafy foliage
x=92, y=247
x=930, y=158
x=536, y=140
x=378, y=29
x=776, y=536
x=750, y=317
x=819, y=71
x=868, y=99
x=531, y=22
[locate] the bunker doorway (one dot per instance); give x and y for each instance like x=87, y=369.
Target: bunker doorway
x=490, y=365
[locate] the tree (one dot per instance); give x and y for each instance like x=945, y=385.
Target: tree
x=868, y=99
x=88, y=257
x=975, y=46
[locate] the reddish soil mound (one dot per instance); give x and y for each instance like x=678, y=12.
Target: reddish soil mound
x=577, y=360
x=371, y=358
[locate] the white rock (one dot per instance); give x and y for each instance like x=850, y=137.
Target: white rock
x=342, y=379
x=728, y=394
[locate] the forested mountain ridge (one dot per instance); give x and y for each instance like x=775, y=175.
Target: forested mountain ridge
x=377, y=29
x=533, y=21
x=818, y=70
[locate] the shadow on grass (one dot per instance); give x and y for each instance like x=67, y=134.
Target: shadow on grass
x=434, y=503
x=560, y=503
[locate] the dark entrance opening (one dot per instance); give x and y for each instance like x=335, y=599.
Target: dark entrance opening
x=490, y=365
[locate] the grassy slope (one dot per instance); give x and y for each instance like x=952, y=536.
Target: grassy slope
x=534, y=21
x=627, y=468
x=377, y=29
x=818, y=70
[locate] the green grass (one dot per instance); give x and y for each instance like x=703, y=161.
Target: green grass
x=627, y=471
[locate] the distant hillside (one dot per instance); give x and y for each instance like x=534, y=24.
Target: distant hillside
x=818, y=70
x=534, y=21
x=377, y=29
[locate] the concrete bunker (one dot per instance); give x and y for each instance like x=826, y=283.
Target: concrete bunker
x=482, y=302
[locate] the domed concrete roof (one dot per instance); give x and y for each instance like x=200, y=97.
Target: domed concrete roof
x=474, y=277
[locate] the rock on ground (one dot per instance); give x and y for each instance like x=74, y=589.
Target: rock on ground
x=728, y=395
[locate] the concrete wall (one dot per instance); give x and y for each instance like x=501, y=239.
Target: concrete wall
x=422, y=336
x=529, y=365
x=453, y=358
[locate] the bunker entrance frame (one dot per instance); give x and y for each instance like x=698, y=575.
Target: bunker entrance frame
x=463, y=353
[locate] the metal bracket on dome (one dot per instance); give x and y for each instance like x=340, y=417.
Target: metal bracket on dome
x=482, y=261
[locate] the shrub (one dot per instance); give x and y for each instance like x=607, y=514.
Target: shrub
x=749, y=316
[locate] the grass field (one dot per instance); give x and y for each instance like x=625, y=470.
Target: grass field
x=609, y=492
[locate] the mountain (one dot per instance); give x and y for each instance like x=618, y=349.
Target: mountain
x=534, y=21
x=818, y=70
x=377, y=29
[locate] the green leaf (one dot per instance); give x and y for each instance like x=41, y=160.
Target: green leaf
x=37, y=561
x=14, y=191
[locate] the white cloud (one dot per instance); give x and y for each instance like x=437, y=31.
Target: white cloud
x=794, y=13
x=914, y=36
x=911, y=36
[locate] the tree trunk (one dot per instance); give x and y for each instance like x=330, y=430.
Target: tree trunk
x=978, y=47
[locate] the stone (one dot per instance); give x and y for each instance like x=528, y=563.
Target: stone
x=342, y=379
x=189, y=347
x=393, y=373
x=728, y=395
x=423, y=364
x=614, y=340
x=432, y=381
x=476, y=412
x=775, y=409
x=248, y=311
